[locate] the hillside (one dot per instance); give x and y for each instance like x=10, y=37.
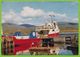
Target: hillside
x=9, y=28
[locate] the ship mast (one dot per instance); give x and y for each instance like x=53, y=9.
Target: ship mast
x=51, y=18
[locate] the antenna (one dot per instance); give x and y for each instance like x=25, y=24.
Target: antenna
x=51, y=20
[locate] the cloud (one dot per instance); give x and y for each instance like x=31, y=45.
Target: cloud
x=75, y=20
x=31, y=12
x=57, y=14
x=11, y=17
x=28, y=14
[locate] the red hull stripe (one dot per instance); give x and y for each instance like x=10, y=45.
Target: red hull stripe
x=53, y=35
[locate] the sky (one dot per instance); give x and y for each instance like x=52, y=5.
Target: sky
x=37, y=13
